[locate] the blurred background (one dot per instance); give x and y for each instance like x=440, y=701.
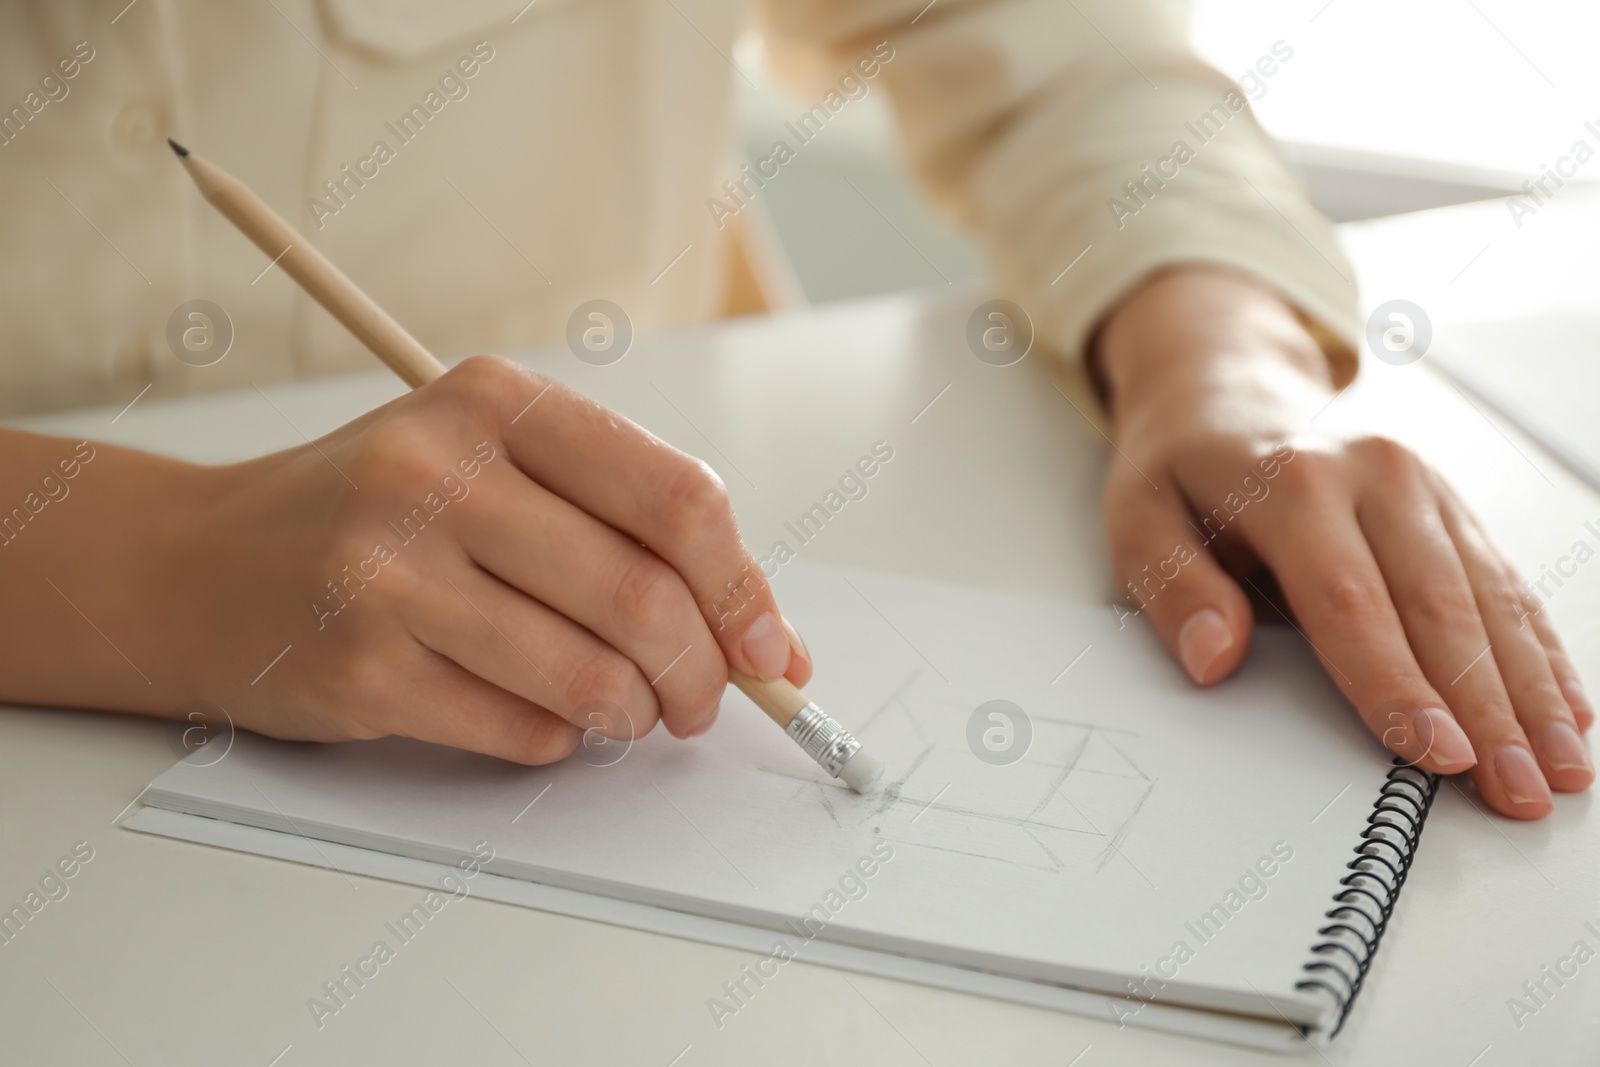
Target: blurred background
x=1385, y=108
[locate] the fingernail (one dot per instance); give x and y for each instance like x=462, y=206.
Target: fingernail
x=1445, y=740
x=766, y=646
x=796, y=645
x=1577, y=699
x=1204, y=637
x=711, y=720
x=1520, y=776
x=1563, y=749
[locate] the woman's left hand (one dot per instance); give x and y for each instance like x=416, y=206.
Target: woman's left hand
x=1213, y=383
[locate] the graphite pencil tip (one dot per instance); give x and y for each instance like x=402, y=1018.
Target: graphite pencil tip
x=178, y=148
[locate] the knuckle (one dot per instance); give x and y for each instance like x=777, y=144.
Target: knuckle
x=484, y=385
x=1391, y=458
x=545, y=738
x=697, y=501
x=647, y=594
x=398, y=457
x=344, y=546
x=1307, y=475
x=1496, y=719
x=1390, y=694
x=617, y=723
x=1401, y=688
x=1354, y=597
x=1545, y=695
x=398, y=582
x=604, y=676
x=486, y=376
x=1508, y=602
x=1438, y=605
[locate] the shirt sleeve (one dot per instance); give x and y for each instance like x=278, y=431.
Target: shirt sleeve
x=1086, y=145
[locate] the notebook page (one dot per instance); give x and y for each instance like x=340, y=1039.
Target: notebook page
x=1146, y=831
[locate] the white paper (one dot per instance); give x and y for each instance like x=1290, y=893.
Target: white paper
x=1141, y=803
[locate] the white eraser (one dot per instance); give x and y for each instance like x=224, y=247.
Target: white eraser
x=862, y=772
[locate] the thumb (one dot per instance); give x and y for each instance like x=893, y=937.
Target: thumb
x=1166, y=572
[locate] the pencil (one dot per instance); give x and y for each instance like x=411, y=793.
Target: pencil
x=822, y=738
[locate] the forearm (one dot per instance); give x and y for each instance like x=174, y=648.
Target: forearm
x=85, y=550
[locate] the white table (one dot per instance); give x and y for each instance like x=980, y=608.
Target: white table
x=167, y=952
x=1487, y=85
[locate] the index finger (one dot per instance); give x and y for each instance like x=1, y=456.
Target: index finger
x=670, y=502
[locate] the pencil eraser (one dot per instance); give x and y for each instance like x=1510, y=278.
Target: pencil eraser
x=862, y=772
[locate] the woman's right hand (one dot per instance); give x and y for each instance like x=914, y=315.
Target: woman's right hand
x=492, y=562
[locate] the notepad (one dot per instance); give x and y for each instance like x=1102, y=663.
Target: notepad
x=1068, y=822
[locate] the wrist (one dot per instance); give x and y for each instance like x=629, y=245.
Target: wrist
x=1194, y=332
x=95, y=567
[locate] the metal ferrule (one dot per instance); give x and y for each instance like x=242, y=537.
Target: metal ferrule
x=823, y=739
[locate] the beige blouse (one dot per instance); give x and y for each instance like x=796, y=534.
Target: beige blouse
x=484, y=167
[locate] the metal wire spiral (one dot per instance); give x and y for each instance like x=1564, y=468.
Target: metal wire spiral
x=1363, y=906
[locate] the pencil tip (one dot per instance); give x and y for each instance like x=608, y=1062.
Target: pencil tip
x=178, y=148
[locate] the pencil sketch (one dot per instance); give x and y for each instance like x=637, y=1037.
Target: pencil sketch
x=1070, y=802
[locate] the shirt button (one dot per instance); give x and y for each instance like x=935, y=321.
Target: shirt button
x=137, y=128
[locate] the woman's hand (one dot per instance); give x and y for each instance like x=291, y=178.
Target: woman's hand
x=1422, y=624
x=491, y=562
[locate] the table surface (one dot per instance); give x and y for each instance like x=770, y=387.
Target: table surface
x=1486, y=84
x=170, y=952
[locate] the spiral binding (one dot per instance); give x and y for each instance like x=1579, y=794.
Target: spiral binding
x=1362, y=908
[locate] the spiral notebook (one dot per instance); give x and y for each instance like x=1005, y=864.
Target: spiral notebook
x=1068, y=822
